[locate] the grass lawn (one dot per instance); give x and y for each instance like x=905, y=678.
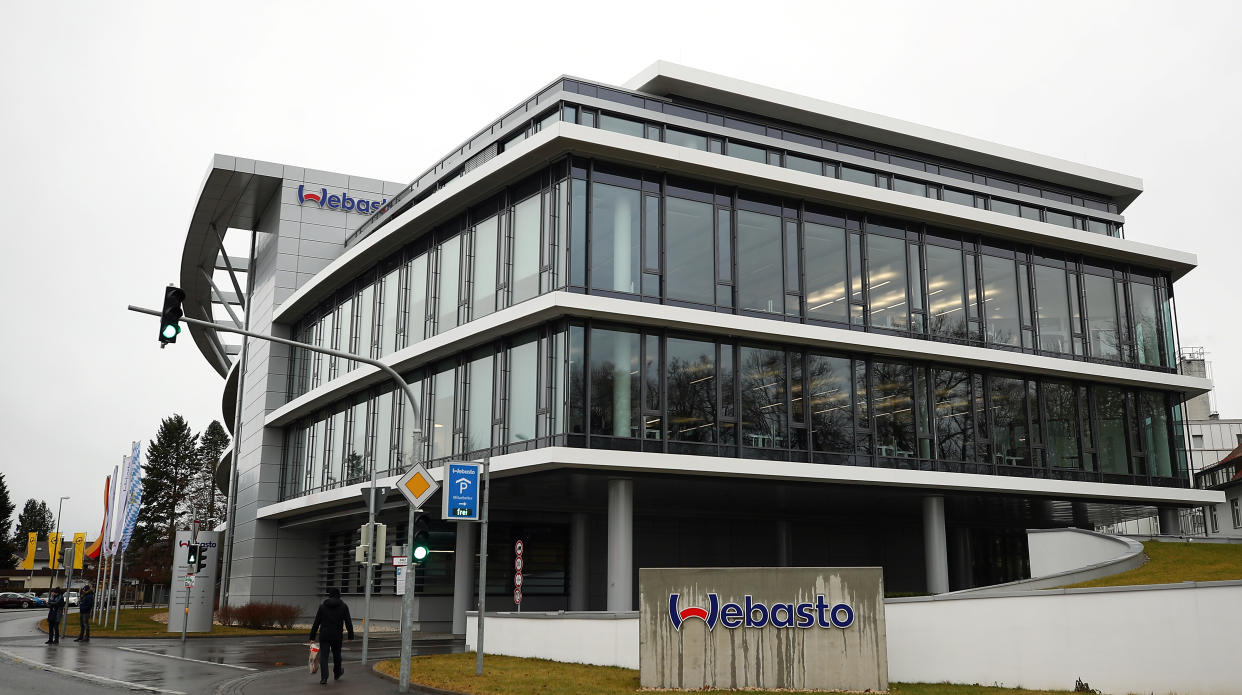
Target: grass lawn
x=1171, y=563
x=137, y=622
x=507, y=675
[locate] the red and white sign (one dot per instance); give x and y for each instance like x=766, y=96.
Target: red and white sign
x=400, y=561
x=517, y=596
x=518, y=548
x=518, y=563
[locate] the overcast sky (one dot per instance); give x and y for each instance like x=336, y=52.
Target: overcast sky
x=110, y=112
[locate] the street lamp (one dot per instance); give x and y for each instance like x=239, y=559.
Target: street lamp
x=59, y=545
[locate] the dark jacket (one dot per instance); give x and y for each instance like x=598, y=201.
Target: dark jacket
x=55, y=606
x=86, y=602
x=331, y=618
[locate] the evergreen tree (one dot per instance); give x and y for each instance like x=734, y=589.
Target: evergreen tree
x=8, y=543
x=36, y=517
x=207, y=501
x=171, y=460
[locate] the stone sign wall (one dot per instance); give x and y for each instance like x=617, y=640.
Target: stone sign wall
x=802, y=628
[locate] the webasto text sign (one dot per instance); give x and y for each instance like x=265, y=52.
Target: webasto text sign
x=802, y=628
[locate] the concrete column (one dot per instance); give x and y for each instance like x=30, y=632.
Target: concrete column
x=1170, y=521
x=784, y=549
x=579, y=565
x=935, y=545
x=622, y=238
x=463, y=575
x=620, y=545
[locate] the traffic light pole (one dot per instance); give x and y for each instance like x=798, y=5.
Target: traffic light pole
x=409, y=393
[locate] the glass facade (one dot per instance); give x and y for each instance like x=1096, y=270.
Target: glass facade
x=592, y=227
x=606, y=386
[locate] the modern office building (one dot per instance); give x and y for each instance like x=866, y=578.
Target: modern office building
x=694, y=321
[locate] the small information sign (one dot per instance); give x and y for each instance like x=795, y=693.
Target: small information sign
x=461, y=499
x=517, y=596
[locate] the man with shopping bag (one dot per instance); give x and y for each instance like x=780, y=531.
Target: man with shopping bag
x=331, y=621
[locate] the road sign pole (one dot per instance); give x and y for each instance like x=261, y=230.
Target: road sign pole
x=407, y=610
x=366, y=611
x=487, y=493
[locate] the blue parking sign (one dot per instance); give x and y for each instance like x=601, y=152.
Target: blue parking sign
x=461, y=490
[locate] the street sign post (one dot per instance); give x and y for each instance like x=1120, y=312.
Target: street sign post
x=461, y=491
x=518, y=580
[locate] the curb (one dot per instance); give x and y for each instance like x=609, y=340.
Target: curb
x=40, y=666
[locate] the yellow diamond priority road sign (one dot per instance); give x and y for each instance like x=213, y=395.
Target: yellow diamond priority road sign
x=417, y=485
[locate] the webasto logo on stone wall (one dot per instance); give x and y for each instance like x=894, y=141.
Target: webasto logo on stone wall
x=339, y=201
x=757, y=614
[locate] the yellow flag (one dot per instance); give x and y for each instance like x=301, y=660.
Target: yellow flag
x=32, y=540
x=79, y=549
x=53, y=551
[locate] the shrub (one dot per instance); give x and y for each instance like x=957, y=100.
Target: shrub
x=227, y=615
x=260, y=616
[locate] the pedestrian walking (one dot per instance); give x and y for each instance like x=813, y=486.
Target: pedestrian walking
x=86, y=605
x=55, y=609
x=331, y=620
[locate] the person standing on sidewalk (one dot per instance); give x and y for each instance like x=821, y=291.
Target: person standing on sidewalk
x=55, y=608
x=86, y=605
x=331, y=620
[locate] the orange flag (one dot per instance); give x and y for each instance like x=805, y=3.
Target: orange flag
x=94, y=549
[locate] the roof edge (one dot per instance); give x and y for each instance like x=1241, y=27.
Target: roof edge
x=663, y=78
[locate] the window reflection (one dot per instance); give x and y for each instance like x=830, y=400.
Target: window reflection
x=614, y=383
x=1102, y=336
x=954, y=424
x=825, y=273
x=763, y=407
x=886, y=282
x=1052, y=309
x=687, y=235
x=893, y=410
x=759, y=262
x=1010, y=445
x=946, y=305
x=614, y=238
x=690, y=377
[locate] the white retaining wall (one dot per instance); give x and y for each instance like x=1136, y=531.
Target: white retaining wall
x=1053, y=551
x=1174, y=638
x=603, y=639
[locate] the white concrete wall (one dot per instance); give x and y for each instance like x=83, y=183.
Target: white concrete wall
x=1177, y=638
x=603, y=639
x=1060, y=550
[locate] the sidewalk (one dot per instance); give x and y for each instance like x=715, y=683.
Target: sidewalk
x=356, y=680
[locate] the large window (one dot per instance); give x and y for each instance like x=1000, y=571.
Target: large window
x=479, y=402
x=759, y=283
x=1052, y=309
x=525, y=247
x=486, y=239
x=893, y=409
x=829, y=402
x=691, y=380
x=825, y=273
x=688, y=234
x=763, y=404
x=946, y=294
x=615, y=233
x=614, y=383
x=1103, y=338
x=886, y=282
x=1000, y=301
x=450, y=276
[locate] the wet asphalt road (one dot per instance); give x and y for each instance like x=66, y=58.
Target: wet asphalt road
x=260, y=665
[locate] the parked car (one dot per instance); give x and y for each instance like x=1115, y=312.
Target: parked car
x=37, y=601
x=71, y=598
x=10, y=599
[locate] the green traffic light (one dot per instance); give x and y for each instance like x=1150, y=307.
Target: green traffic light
x=420, y=552
x=171, y=330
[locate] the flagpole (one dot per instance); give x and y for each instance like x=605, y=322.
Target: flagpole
x=119, y=588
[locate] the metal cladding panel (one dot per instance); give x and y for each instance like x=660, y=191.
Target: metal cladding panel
x=704, y=628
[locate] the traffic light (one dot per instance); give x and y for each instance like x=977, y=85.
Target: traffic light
x=191, y=557
x=202, y=558
x=170, y=317
x=420, y=544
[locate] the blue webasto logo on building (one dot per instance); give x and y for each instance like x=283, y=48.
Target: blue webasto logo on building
x=751, y=613
x=339, y=202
